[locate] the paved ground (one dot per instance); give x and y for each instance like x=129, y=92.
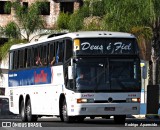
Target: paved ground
x=97, y=122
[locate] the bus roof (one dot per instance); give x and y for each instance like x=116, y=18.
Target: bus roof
x=83, y=34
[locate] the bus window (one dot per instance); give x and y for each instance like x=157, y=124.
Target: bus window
x=21, y=58
x=25, y=59
x=32, y=57
x=59, y=52
x=37, y=55
x=11, y=61
x=56, y=52
x=69, y=49
x=44, y=55
x=28, y=63
x=15, y=66
x=51, y=54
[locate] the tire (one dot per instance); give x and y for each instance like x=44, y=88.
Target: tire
x=80, y=119
x=65, y=116
x=92, y=117
x=120, y=119
x=30, y=117
x=23, y=112
x=105, y=117
x=61, y=114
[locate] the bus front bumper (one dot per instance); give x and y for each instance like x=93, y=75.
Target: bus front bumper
x=104, y=109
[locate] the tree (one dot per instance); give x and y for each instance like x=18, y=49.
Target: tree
x=28, y=21
x=142, y=18
x=155, y=57
x=63, y=20
x=127, y=15
x=11, y=30
x=76, y=21
x=5, y=48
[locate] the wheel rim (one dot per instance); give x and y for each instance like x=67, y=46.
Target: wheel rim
x=22, y=112
x=28, y=111
x=64, y=111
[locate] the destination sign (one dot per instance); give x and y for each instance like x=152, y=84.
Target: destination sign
x=107, y=46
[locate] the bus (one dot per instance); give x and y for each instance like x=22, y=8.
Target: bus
x=76, y=75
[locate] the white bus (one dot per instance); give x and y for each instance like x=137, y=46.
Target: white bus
x=76, y=75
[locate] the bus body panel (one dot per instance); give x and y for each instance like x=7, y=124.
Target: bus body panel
x=44, y=97
x=119, y=102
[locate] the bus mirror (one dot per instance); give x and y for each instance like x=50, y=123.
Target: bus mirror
x=74, y=61
x=70, y=72
x=143, y=70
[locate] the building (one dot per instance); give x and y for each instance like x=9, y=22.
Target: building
x=49, y=13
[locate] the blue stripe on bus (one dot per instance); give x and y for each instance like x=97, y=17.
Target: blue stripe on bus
x=30, y=77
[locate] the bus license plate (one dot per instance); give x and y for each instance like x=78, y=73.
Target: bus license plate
x=109, y=108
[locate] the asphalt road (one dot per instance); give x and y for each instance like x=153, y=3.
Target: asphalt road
x=97, y=122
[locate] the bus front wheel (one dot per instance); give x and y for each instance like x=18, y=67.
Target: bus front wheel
x=30, y=117
x=23, y=112
x=65, y=116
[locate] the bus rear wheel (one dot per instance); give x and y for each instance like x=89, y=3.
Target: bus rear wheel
x=30, y=117
x=65, y=116
x=23, y=112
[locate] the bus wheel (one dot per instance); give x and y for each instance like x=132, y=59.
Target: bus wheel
x=30, y=117
x=92, y=117
x=65, y=116
x=23, y=112
x=80, y=119
x=120, y=119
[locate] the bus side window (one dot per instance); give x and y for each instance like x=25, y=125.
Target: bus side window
x=69, y=49
x=56, y=52
x=51, y=54
x=21, y=58
x=37, y=56
x=59, y=52
x=15, y=60
x=25, y=58
x=28, y=62
x=44, y=55
x=32, y=57
x=11, y=63
x=35, y=53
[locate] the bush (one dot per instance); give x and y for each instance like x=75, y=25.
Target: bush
x=76, y=22
x=5, y=48
x=63, y=21
x=93, y=23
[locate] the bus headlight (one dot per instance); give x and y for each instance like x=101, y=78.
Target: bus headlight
x=84, y=100
x=133, y=100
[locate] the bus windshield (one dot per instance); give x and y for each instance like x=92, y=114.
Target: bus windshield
x=104, y=74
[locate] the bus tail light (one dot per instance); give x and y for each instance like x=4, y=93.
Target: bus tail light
x=83, y=100
x=133, y=100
